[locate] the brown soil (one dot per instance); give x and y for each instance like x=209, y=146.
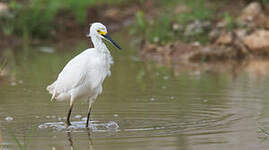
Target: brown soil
x=237, y=44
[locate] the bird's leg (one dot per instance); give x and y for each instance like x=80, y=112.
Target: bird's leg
x=69, y=114
x=90, y=139
x=89, y=113
x=70, y=140
x=88, y=117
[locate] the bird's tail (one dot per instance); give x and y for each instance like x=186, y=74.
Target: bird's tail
x=51, y=89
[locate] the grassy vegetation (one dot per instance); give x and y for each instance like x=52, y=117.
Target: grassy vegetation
x=26, y=139
x=264, y=1
x=230, y=21
x=170, y=25
x=36, y=18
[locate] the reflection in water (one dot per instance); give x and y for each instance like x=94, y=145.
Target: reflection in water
x=155, y=107
x=255, y=69
x=258, y=69
x=70, y=140
x=69, y=135
x=1, y=141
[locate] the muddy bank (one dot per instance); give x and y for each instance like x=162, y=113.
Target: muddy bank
x=240, y=37
x=187, y=53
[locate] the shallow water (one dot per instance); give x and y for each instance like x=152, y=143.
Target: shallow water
x=143, y=106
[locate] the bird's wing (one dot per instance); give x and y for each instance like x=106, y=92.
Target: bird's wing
x=73, y=74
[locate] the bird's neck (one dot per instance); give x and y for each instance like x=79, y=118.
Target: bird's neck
x=99, y=44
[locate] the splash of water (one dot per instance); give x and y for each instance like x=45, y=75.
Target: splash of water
x=95, y=126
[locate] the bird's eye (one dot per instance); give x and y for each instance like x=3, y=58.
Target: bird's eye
x=98, y=31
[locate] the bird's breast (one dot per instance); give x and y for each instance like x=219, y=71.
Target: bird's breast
x=98, y=70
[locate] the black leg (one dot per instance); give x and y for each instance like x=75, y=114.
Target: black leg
x=70, y=139
x=88, y=117
x=68, y=116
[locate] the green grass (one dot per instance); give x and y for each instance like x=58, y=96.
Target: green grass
x=159, y=30
x=264, y=1
x=36, y=18
x=198, y=11
x=230, y=22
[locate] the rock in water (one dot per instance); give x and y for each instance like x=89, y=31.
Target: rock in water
x=225, y=39
x=259, y=40
x=251, y=12
x=9, y=118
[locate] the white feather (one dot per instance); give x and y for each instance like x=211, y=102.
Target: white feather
x=82, y=77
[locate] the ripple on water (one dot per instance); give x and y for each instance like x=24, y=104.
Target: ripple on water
x=95, y=126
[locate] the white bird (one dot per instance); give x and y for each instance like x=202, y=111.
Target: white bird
x=83, y=76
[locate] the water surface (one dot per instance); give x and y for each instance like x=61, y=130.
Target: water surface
x=143, y=105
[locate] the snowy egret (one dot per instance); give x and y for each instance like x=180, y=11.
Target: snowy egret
x=83, y=76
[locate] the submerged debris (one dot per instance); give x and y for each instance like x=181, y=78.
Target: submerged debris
x=9, y=118
x=77, y=116
x=47, y=49
x=13, y=83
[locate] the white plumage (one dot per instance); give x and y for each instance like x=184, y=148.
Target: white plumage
x=82, y=77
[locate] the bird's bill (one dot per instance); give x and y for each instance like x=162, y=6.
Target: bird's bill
x=107, y=37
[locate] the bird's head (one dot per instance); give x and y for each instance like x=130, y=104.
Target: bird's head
x=99, y=30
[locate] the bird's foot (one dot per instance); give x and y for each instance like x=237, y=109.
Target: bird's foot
x=87, y=125
x=67, y=123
